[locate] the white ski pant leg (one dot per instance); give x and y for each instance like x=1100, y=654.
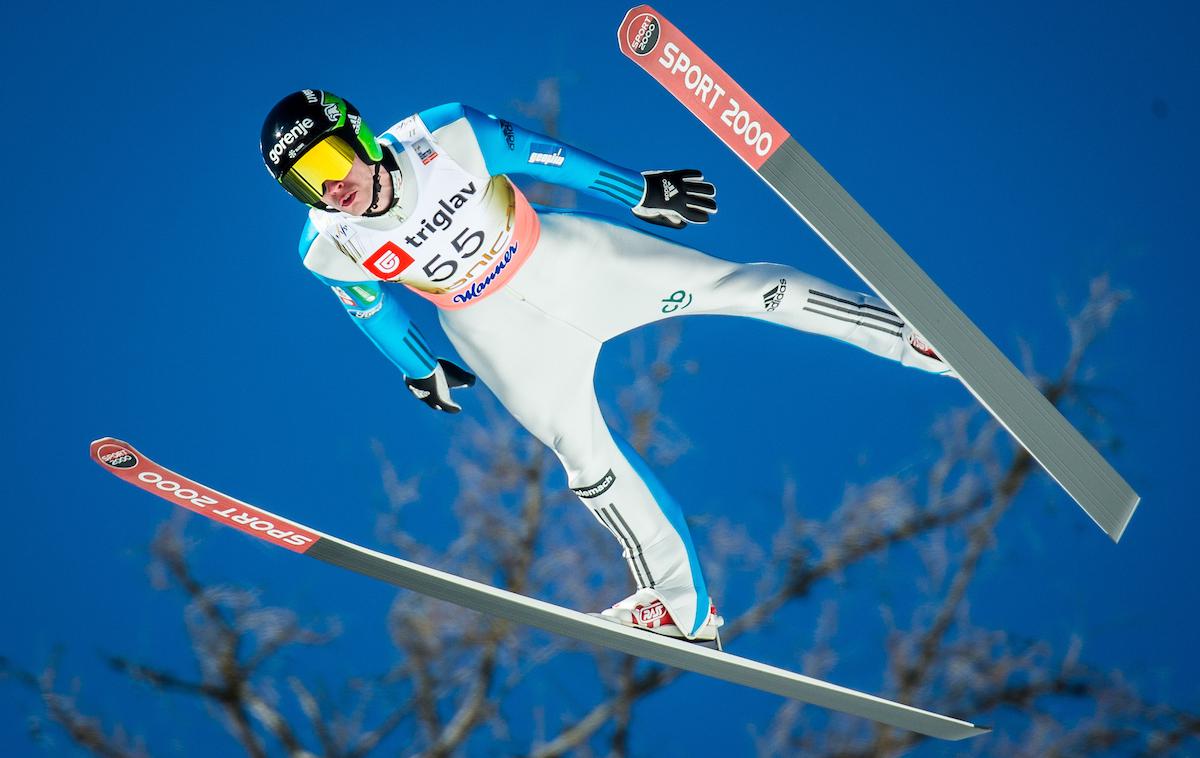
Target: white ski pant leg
x=613, y=278
x=535, y=344
x=541, y=369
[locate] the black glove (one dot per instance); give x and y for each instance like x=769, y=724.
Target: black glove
x=434, y=390
x=676, y=198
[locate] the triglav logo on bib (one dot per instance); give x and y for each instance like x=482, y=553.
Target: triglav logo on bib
x=388, y=261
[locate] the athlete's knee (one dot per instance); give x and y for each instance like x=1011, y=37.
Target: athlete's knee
x=756, y=288
x=753, y=275
x=581, y=459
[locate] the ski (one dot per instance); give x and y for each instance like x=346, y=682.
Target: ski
x=120, y=458
x=712, y=96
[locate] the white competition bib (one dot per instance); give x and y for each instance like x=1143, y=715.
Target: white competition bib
x=465, y=238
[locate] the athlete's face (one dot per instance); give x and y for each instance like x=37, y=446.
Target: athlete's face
x=353, y=194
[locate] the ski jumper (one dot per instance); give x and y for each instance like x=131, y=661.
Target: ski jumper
x=528, y=296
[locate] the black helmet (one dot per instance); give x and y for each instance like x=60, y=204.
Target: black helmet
x=311, y=137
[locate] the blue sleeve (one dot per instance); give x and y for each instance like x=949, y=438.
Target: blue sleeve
x=511, y=149
x=381, y=318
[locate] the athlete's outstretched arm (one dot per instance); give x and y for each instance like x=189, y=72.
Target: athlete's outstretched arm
x=669, y=198
x=386, y=324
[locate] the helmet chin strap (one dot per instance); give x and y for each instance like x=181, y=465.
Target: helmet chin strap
x=376, y=189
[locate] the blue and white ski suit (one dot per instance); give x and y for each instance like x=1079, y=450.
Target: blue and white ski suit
x=528, y=296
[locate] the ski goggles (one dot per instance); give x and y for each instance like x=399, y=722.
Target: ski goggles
x=329, y=160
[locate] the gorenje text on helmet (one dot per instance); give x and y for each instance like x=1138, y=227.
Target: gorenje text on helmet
x=291, y=135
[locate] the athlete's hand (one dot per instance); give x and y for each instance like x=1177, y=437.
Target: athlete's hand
x=434, y=390
x=676, y=198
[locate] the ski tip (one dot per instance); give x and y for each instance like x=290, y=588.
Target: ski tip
x=108, y=441
x=649, y=25
x=113, y=453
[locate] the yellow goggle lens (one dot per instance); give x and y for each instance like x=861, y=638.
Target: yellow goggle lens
x=328, y=160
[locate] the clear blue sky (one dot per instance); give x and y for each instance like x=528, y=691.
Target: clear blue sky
x=1015, y=150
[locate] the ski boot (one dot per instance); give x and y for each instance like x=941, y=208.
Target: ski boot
x=644, y=609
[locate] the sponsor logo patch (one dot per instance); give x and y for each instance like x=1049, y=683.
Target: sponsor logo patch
x=368, y=313
x=922, y=347
x=365, y=293
x=510, y=138
x=444, y=218
x=546, y=154
x=653, y=614
x=678, y=300
x=424, y=150
x=476, y=289
x=643, y=34
x=597, y=489
x=343, y=239
x=774, y=296
x=289, y=138
x=388, y=261
x=117, y=456
x=346, y=299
